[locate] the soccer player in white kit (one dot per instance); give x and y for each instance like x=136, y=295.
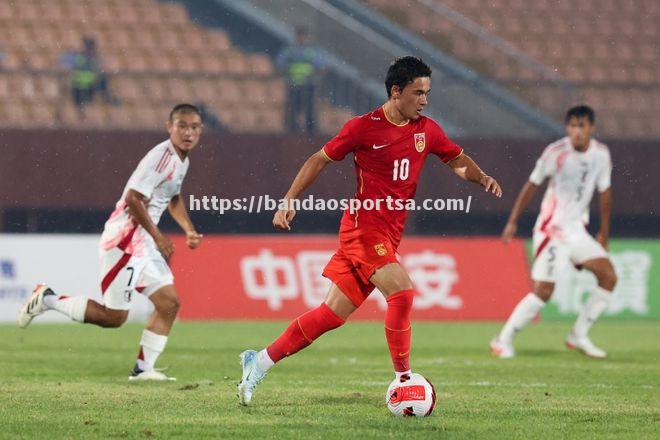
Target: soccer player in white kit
x=134, y=252
x=575, y=166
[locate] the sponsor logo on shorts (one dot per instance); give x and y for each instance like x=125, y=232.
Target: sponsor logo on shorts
x=128, y=294
x=420, y=141
x=381, y=250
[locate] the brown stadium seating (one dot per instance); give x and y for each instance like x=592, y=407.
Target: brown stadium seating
x=609, y=49
x=141, y=44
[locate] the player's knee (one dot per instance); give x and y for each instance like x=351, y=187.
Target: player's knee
x=544, y=291
x=169, y=306
x=175, y=305
x=391, y=278
x=402, y=299
x=607, y=279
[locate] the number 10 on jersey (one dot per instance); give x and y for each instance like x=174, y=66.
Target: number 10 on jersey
x=401, y=169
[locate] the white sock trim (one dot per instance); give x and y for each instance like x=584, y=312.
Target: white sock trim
x=50, y=301
x=264, y=362
x=602, y=293
x=535, y=300
x=153, y=341
x=74, y=307
x=151, y=345
x=401, y=373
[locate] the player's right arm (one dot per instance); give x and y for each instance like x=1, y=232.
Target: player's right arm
x=136, y=203
x=543, y=169
x=149, y=173
x=305, y=177
x=335, y=150
x=526, y=194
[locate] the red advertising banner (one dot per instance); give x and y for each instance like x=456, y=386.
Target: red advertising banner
x=279, y=277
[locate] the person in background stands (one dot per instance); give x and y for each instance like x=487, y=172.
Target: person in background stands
x=301, y=63
x=87, y=76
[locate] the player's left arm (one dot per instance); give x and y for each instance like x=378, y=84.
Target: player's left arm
x=605, y=205
x=178, y=211
x=467, y=169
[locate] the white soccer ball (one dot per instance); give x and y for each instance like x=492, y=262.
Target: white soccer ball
x=410, y=396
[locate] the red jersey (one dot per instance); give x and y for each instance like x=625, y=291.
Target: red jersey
x=388, y=159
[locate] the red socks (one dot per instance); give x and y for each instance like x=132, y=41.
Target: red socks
x=303, y=331
x=397, y=328
x=309, y=326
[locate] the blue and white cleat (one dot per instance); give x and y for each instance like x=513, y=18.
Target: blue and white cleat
x=252, y=375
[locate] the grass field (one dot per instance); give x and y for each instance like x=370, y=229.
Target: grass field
x=69, y=381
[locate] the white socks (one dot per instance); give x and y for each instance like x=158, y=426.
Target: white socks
x=525, y=311
x=401, y=373
x=592, y=309
x=264, y=362
x=151, y=346
x=72, y=306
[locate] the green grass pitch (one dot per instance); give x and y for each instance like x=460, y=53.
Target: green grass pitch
x=70, y=381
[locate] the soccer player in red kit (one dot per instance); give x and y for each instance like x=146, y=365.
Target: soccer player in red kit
x=389, y=145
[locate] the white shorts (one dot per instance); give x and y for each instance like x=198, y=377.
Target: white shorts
x=553, y=255
x=123, y=274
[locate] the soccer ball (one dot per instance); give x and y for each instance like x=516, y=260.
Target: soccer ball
x=410, y=396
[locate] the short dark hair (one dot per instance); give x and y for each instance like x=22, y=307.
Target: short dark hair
x=186, y=109
x=403, y=71
x=580, y=111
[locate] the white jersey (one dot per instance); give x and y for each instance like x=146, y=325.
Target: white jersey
x=158, y=177
x=573, y=178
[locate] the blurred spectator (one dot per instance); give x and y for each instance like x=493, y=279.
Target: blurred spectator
x=87, y=77
x=301, y=63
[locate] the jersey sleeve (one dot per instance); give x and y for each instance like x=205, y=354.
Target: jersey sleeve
x=543, y=168
x=441, y=145
x=149, y=173
x=343, y=143
x=604, y=180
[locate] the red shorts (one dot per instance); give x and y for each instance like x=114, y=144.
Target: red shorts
x=361, y=252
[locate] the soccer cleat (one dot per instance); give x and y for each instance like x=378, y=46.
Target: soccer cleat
x=252, y=375
x=35, y=306
x=156, y=375
x=584, y=345
x=501, y=349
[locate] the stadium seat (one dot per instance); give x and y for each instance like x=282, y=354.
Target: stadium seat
x=237, y=64
x=260, y=65
x=43, y=115
x=212, y=64
x=6, y=11
x=218, y=40
x=228, y=91
x=174, y=13
x=16, y=113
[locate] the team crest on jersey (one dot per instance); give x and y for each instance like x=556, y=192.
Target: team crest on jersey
x=381, y=250
x=420, y=141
